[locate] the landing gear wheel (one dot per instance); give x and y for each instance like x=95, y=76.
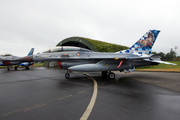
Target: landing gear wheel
x=8, y=69
x=111, y=75
x=15, y=68
x=67, y=75
x=27, y=68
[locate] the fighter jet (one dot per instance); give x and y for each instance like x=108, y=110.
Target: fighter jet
x=7, y=60
x=84, y=60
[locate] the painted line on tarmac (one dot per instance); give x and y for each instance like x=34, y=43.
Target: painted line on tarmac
x=93, y=100
x=35, y=106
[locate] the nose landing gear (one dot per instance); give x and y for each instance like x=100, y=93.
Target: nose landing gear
x=67, y=75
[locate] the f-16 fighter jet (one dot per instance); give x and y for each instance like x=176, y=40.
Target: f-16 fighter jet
x=7, y=60
x=84, y=60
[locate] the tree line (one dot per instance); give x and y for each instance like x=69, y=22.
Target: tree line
x=170, y=56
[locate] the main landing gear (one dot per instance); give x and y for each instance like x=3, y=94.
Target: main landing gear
x=8, y=67
x=108, y=74
x=16, y=67
x=27, y=68
x=111, y=75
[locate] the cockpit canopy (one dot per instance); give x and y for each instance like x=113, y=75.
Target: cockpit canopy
x=5, y=54
x=65, y=48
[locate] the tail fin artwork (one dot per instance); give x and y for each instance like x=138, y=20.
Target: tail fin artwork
x=144, y=44
x=27, y=64
x=31, y=52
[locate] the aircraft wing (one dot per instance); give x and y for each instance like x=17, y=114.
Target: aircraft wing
x=159, y=61
x=164, y=62
x=156, y=59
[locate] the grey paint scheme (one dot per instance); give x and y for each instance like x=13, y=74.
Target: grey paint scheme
x=79, y=59
x=10, y=58
x=89, y=61
x=13, y=60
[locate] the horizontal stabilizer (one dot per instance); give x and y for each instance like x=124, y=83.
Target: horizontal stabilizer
x=164, y=62
x=155, y=57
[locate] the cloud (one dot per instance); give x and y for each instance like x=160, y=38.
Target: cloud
x=42, y=24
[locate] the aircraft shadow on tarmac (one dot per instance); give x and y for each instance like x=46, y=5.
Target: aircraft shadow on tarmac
x=76, y=81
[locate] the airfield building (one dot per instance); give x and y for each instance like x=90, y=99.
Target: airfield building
x=94, y=45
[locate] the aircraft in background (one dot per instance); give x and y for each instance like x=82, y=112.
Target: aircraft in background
x=7, y=61
x=84, y=60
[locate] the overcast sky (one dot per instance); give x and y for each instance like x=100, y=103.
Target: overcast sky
x=44, y=23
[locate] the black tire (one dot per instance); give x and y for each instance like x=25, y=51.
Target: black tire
x=67, y=75
x=27, y=68
x=111, y=75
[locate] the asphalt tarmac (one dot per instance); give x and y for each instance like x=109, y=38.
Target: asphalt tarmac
x=44, y=94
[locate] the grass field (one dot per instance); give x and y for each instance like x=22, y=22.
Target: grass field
x=38, y=64
x=161, y=67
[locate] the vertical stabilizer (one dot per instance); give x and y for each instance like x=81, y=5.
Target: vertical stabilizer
x=144, y=44
x=31, y=52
